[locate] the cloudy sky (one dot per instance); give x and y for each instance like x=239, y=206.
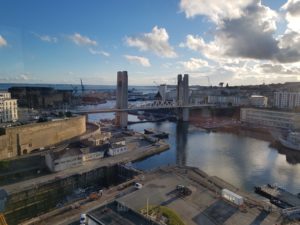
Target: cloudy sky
x=236, y=41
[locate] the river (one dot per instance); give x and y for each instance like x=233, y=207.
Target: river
x=243, y=161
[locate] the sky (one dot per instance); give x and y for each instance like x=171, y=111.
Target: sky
x=237, y=42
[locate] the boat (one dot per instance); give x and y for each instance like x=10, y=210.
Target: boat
x=291, y=141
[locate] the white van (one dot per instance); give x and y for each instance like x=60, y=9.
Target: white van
x=83, y=219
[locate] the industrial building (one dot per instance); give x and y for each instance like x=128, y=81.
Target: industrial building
x=122, y=98
x=8, y=108
x=270, y=118
x=73, y=157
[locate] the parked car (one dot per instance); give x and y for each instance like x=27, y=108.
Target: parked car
x=138, y=186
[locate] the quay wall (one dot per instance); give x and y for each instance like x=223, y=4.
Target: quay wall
x=21, y=140
x=42, y=198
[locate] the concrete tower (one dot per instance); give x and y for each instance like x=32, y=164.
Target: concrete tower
x=183, y=96
x=122, y=98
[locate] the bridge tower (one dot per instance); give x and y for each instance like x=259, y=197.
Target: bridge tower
x=183, y=96
x=122, y=99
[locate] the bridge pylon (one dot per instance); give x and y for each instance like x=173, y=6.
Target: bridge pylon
x=183, y=97
x=122, y=99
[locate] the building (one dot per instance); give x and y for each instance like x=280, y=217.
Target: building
x=116, y=149
x=8, y=108
x=258, y=101
x=97, y=139
x=224, y=100
x=20, y=140
x=116, y=213
x=92, y=153
x=64, y=159
x=122, y=98
x=117, y=146
x=270, y=118
x=73, y=157
x=162, y=89
x=286, y=100
x=40, y=97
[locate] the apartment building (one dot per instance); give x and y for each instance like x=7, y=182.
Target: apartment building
x=286, y=100
x=8, y=108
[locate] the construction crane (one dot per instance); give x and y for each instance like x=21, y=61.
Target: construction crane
x=82, y=87
x=208, y=81
x=156, y=83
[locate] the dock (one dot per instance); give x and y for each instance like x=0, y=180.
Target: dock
x=278, y=196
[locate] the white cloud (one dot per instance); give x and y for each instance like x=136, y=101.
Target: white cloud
x=194, y=64
x=249, y=37
x=157, y=41
x=24, y=77
x=81, y=40
x=95, y=52
x=292, y=8
x=3, y=42
x=216, y=10
x=138, y=59
x=46, y=38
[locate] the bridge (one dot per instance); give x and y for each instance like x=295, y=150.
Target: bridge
x=142, y=107
x=181, y=104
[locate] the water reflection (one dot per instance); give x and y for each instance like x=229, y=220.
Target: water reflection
x=181, y=141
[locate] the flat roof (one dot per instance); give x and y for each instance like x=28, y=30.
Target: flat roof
x=115, y=213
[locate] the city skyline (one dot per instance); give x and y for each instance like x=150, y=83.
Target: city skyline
x=238, y=42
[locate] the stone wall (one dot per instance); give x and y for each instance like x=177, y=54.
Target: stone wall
x=23, y=139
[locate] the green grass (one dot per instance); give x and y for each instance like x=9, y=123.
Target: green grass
x=173, y=217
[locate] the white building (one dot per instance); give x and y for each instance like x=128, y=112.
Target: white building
x=117, y=149
x=286, y=100
x=162, y=89
x=258, y=101
x=270, y=118
x=8, y=108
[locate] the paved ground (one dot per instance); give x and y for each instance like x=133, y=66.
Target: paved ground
x=202, y=207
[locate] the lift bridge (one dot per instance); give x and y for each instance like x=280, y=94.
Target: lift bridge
x=181, y=104
x=143, y=106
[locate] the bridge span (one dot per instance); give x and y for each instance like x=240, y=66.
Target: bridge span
x=141, y=108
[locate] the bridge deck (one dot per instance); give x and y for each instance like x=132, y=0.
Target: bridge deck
x=90, y=111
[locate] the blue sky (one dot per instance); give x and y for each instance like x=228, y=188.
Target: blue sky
x=61, y=41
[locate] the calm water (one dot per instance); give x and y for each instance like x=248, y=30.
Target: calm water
x=242, y=161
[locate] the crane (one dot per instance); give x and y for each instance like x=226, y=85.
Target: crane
x=82, y=87
x=208, y=81
x=156, y=83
